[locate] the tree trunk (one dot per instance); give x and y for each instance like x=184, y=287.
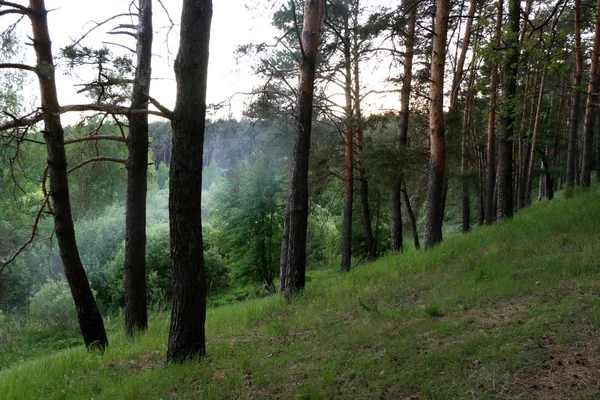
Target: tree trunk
x=505, y=156
x=411, y=216
x=349, y=158
x=363, y=183
x=136, y=314
x=491, y=142
x=293, y=244
x=460, y=65
x=437, y=159
x=536, y=134
x=575, y=101
x=590, y=111
x=187, y=335
x=466, y=203
x=403, y=118
x=90, y=320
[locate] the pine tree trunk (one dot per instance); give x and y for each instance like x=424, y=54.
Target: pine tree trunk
x=491, y=142
x=403, y=118
x=411, y=216
x=293, y=244
x=136, y=314
x=575, y=101
x=466, y=203
x=90, y=320
x=535, y=135
x=363, y=183
x=348, y=159
x=505, y=156
x=437, y=159
x=188, y=276
x=590, y=111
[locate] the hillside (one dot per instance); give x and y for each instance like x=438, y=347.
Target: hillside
x=508, y=311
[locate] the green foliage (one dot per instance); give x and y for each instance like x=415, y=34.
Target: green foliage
x=538, y=304
x=53, y=305
x=246, y=218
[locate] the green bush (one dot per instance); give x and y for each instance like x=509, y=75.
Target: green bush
x=53, y=305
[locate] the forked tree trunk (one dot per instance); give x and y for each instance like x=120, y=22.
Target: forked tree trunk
x=575, y=101
x=403, y=118
x=437, y=159
x=348, y=158
x=188, y=313
x=136, y=314
x=460, y=65
x=411, y=216
x=90, y=320
x=590, y=111
x=491, y=142
x=505, y=156
x=293, y=244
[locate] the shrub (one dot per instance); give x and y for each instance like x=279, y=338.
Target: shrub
x=53, y=305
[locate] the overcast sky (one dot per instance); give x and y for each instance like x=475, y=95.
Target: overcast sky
x=234, y=23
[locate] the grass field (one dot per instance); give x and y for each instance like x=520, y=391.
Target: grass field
x=510, y=311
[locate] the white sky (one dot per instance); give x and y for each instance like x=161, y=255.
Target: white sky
x=233, y=23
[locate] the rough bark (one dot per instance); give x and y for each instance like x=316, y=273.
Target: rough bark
x=575, y=100
x=293, y=245
x=437, y=159
x=505, y=155
x=188, y=313
x=590, y=110
x=403, y=118
x=136, y=314
x=348, y=159
x=90, y=320
x=411, y=216
x=491, y=142
x=363, y=182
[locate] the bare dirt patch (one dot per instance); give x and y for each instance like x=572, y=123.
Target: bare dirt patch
x=567, y=372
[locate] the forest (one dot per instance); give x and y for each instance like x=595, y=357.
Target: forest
x=404, y=205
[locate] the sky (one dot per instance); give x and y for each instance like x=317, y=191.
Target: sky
x=235, y=22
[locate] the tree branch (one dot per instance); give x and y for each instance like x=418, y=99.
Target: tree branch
x=96, y=137
x=18, y=66
x=166, y=113
x=97, y=159
x=31, y=236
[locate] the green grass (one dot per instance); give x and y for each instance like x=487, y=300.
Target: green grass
x=505, y=312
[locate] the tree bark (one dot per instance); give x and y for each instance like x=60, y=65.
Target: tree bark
x=363, y=182
x=187, y=335
x=411, y=216
x=466, y=203
x=575, y=101
x=293, y=245
x=590, y=111
x=437, y=159
x=136, y=314
x=403, y=118
x=491, y=142
x=460, y=65
x=505, y=156
x=90, y=320
x=348, y=159
x=535, y=135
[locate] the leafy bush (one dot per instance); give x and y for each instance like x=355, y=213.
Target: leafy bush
x=53, y=305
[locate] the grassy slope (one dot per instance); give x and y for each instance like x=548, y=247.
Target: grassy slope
x=511, y=311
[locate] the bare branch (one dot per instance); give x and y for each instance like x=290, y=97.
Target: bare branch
x=18, y=66
x=168, y=114
x=99, y=24
x=96, y=137
x=95, y=160
x=17, y=7
x=31, y=236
